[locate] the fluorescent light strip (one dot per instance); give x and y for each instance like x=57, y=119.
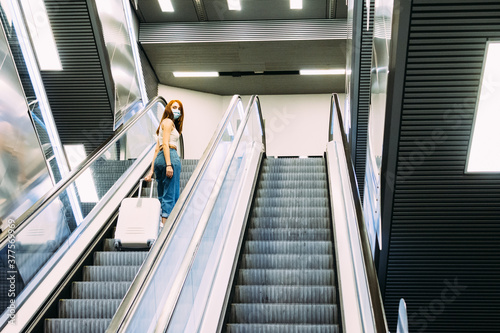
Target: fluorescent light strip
x=295, y=4
x=484, y=148
x=322, y=71
x=196, y=74
x=166, y=6
x=234, y=4
x=41, y=35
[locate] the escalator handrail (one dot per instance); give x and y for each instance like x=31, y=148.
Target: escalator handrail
x=137, y=288
x=22, y=221
x=375, y=296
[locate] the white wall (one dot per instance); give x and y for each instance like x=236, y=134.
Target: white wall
x=202, y=113
x=296, y=125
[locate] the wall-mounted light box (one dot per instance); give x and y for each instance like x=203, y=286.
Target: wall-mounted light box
x=484, y=147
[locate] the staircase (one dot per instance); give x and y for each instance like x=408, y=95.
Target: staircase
x=286, y=279
x=95, y=299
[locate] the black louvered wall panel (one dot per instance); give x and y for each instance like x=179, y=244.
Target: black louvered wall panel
x=364, y=94
x=445, y=224
x=150, y=78
x=77, y=95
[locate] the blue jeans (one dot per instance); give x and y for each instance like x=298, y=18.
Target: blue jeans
x=168, y=188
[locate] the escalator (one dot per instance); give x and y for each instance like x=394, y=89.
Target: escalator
x=95, y=298
x=286, y=277
x=279, y=245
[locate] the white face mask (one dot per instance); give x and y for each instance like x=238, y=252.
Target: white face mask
x=177, y=113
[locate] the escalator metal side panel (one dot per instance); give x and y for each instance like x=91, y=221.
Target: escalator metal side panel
x=218, y=299
x=41, y=293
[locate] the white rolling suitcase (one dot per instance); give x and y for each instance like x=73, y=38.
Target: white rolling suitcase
x=138, y=221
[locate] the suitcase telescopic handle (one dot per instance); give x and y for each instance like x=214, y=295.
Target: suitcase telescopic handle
x=140, y=187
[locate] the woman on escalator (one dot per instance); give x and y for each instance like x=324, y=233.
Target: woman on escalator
x=166, y=163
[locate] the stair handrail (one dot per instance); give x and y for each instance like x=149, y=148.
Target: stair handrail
x=22, y=221
x=375, y=296
x=136, y=289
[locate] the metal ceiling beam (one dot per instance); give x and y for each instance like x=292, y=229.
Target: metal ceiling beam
x=243, y=31
x=200, y=10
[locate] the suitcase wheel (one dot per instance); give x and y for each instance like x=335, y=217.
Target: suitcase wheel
x=118, y=245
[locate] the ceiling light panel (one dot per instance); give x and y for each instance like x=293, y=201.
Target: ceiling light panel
x=234, y=4
x=196, y=74
x=295, y=4
x=322, y=71
x=166, y=6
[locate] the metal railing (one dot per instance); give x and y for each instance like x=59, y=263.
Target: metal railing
x=370, y=316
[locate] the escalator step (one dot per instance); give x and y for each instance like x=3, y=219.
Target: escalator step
x=293, y=168
x=284, y=234
x=284, y=313
x=289, y=222
x=292, y=202
x=294, y=176
x=122, y=258
x=88, y=308
x=76, y=325
x=277, y=328
x=290, y=212
x=285, y=294
x=298, y=184
x=292, y=193
x=99, y=290
x=109, y=273
x=286, y=261
x=287, y=247
x=305, y=277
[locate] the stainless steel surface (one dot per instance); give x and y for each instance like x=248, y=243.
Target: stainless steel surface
x=375, y=296
x=30, y=214
x=130, y=302
x=402, y=317
x=24, y=176
x=123, y=68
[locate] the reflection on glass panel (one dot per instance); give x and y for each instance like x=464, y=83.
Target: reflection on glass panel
x=45, y=239
x=123, y=68
x=23, y=172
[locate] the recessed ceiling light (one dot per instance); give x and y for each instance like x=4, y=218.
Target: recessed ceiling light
x=322, y=71
x=166, y=5
x=196, y=74
x=295, y=4
x=234, y=4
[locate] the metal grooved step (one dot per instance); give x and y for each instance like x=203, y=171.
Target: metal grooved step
x=95, y=299
x=286, y=278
